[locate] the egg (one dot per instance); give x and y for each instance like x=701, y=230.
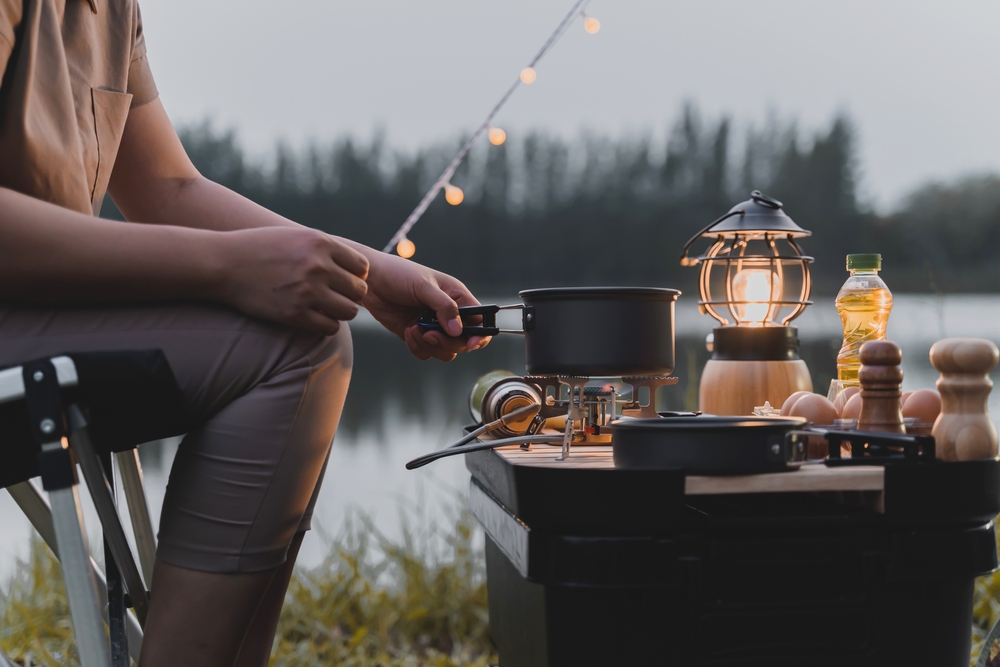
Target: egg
x=814, y=408
x=842, y=399
x=924, y=405
x=852, y=408
x=902, y=399
x=790, y=401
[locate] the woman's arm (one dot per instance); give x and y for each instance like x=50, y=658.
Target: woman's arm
x=49, y=253
x=295, y=276
x=154, y=181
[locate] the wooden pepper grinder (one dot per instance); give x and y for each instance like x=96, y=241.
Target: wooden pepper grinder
x=881, y=379
x=964, y=431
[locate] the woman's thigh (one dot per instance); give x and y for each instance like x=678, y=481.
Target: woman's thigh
x=264, y=400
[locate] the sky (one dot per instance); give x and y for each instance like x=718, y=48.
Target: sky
x=917, y=76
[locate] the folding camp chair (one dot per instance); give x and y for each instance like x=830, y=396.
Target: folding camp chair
x=58, y=410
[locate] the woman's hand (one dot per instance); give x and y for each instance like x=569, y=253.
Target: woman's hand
x=398, y=293
x=293, y=275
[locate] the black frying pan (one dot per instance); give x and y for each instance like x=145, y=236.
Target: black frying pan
x=745, y=445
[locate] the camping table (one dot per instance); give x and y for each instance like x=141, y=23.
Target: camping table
x=592, y=565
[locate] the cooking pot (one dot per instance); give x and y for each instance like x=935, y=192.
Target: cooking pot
x=585, y=331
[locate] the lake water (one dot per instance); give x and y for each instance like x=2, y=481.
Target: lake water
x=399, y=407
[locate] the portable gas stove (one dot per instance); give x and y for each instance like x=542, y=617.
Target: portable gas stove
x=588, y=404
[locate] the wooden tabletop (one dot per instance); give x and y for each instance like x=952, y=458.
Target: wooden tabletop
x=810, y=477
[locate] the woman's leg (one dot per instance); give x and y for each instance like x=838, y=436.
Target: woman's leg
x=256, y=649
x=265, y=402
x=200, y=618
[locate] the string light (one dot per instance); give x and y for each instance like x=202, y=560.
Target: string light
x=497, y=136
x=591, y=25
x=453, y=194
x=405, y=248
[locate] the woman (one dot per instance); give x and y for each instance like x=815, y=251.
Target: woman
x=248, y=307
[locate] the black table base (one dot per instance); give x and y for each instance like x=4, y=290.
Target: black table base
x=744, y=579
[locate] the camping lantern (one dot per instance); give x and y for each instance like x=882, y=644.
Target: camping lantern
x=754, y=281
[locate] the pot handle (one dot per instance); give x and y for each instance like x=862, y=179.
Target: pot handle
x=488, y=327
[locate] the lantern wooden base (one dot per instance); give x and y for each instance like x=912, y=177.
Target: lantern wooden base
x=737, y=387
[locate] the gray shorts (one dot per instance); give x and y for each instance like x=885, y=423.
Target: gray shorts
x=266, y=399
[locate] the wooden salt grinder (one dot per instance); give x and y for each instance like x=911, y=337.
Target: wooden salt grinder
x=964, y=431
x=881, y=379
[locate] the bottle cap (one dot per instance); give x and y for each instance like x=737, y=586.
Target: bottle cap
x=864, y=262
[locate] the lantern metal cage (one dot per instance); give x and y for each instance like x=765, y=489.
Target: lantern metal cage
x=755, y=245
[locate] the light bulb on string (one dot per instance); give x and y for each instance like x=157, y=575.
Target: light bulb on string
x=527, y=76
x=497, y=136
x=590, y=24
x=405, y=248
x=453, y=194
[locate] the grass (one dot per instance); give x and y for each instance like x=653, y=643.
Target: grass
x=418, y=602
x=985, y=610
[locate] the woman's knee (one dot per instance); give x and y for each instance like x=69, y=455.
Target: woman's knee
x=335, y=352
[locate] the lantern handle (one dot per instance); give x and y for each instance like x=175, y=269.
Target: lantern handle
x=687, y=261
x=764, y=200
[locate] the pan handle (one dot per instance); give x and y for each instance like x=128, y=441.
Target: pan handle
x=488, y=327
x=913, y=446
x=793, y=447
x=789, y=449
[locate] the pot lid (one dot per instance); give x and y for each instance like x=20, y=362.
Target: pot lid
x=760, y=213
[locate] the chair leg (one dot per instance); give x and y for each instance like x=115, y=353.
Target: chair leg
x=81, y=588
x=104, y=503
x=117, y=630
x=36, y=508
x=138, y=511
x=39, y=383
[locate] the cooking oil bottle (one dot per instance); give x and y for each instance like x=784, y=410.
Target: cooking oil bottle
x=864, y=303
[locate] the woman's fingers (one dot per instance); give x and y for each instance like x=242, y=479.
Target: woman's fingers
x=438, y=339
x=422, y=350
x=446, y=350
x=477, y=343
x=334, y=305
x=457, y=290
x=348, y=258
x=443, y=305
x=347, y=284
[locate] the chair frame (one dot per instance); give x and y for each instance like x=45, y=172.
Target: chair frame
x=64, y=441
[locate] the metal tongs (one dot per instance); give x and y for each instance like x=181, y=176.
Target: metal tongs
x=463, y=446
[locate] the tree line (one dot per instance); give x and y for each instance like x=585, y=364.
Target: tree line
x=544, y=211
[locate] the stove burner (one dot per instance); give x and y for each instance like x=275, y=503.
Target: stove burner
x=589, y=405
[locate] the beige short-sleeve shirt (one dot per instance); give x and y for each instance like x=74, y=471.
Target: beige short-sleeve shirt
x=72, y=69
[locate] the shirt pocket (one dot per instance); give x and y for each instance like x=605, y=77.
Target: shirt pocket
x=110, y=113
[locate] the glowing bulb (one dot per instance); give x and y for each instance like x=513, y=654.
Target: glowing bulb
x=590, y=24
x=453, y=194
x=497, y=136
x=528, y=75
x=405, y=248
x=755, y=288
